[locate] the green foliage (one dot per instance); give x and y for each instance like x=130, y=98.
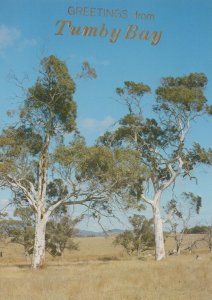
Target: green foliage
x=70, y=156
x=197, y=154
x=197, y=229
x=50, y=101
x=100, y=164
x=18, y=149
x=87, y=72
x=160, y=142
x=59, y=235
x=48, y=112
x=182, y=210
x=195, y=201
x=3, y=229
x=132, y=88
x=57, y=190
x=21, y=230
x=16, y=142
x=105, y=164
x=132, y=93
x=141, y=238
x=187, y=91
x=125, y=240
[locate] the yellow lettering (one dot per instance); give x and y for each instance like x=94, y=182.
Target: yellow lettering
x=63, y=23
x=144, y=35
x=89, y=31
x=156, y=36
x=114, y=35
x=132, y=29
x=103, y=31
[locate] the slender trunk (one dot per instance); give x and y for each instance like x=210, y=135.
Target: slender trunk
x=138, y=252
x=38, y=258
x=178, y=249
x=158, y=229
x=27, y=256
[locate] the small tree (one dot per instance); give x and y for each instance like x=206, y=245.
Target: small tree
x=181, y=213
x=192, y=243
x=21, y=230
x=3, y=233
x=141, y=237
x=208, y=237
x=126, y=240
x=60, y=234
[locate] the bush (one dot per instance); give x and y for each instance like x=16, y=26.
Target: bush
x=140, y=238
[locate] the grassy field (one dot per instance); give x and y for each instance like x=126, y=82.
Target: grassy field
x=100, y=271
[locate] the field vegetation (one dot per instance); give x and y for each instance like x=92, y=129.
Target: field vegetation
x=101, y=271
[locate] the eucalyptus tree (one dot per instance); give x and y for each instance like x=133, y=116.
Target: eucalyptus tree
x=46, y=172
x=26, y=149
x=182, y=212
x=161, y=141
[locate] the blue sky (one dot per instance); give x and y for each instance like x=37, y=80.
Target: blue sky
x=27, y=33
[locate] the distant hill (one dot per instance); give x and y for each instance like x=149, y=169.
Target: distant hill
x=98, y=233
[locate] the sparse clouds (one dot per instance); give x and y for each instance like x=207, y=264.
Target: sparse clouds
x=12, y=37
x=95, y=125
x=28, y=43
x=8, y=37
x=101, y=62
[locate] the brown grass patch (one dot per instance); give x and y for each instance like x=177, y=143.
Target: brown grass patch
x=101, y=272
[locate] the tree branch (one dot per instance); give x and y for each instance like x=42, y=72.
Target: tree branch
x=16, y=184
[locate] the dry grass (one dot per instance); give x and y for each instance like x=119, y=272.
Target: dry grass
x=89, y=275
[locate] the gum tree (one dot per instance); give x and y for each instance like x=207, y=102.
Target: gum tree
x=46, y=172
x=26, y=149
x=161, y=141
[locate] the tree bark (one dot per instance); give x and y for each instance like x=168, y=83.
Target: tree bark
x=158, y=229
x=178, y=249
x=38, y=258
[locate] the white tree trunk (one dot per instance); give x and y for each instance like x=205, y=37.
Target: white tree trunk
x=38, y=258
x=158, y=228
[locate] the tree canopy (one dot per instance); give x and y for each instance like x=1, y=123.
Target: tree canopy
x=161, y=141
